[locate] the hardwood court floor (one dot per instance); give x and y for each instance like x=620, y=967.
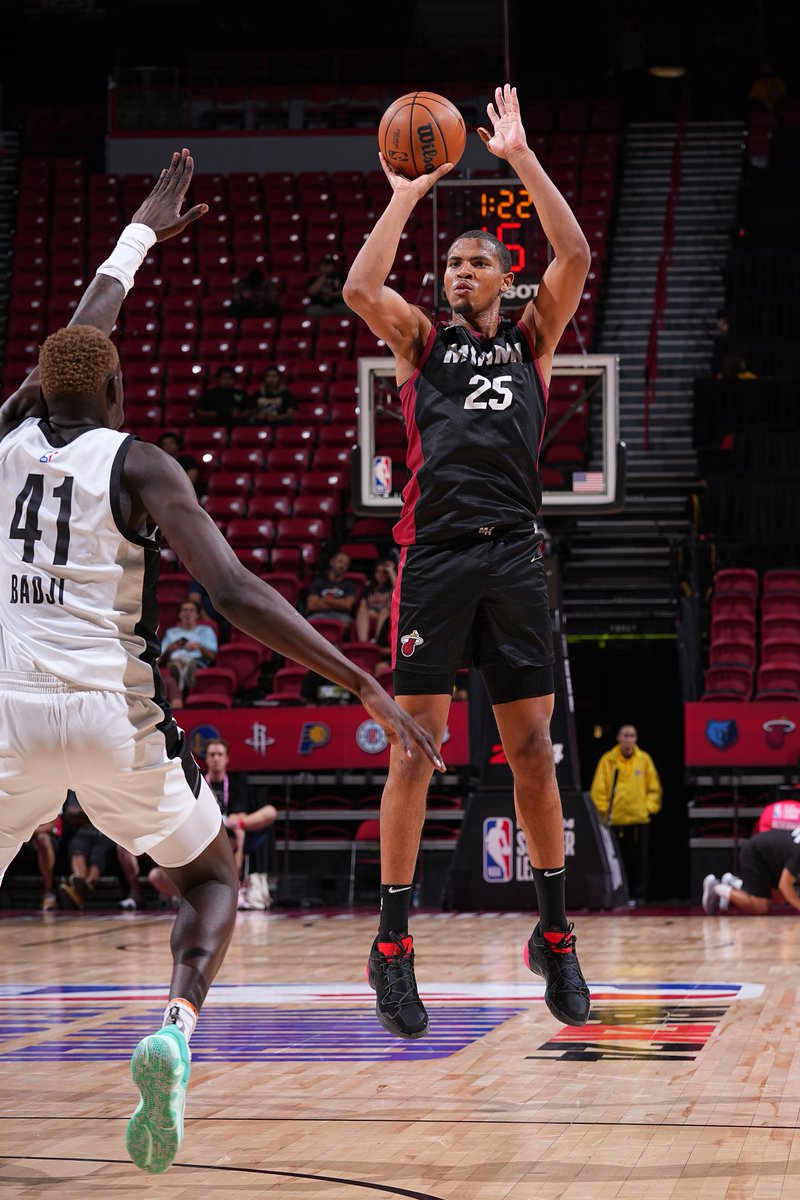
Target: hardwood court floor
x=685, y=1084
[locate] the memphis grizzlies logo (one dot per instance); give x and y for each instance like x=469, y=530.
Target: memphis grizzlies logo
x=722, y=734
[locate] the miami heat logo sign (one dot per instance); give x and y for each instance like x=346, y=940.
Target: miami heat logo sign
x=409, y=643
x=776, y=731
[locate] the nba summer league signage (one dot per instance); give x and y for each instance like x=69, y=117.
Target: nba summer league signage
x=491, y=868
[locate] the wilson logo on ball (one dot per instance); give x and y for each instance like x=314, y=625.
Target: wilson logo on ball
x=427, y=142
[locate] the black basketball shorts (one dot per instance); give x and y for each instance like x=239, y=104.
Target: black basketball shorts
x=755, y=872
x=469, y=602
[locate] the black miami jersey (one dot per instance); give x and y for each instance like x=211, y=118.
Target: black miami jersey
x=475, y=412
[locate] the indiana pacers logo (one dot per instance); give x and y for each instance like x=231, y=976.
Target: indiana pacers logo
x=409, y=643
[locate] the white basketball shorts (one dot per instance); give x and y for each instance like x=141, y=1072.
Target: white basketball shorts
x=137, y=783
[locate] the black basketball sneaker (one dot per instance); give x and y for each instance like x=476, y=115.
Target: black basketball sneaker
x=553, y=957
x=390, y=973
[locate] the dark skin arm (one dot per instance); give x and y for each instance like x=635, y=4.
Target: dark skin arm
x=102, y=300
x=155, y=485
x=786, y=887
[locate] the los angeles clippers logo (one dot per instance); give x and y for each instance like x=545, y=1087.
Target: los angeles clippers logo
x=409, y=643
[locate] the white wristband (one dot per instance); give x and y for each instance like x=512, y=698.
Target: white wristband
x=128, y=255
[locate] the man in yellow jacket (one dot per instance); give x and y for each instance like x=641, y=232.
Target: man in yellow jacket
x=627, y=792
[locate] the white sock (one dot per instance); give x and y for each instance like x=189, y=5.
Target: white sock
x=182, y=1015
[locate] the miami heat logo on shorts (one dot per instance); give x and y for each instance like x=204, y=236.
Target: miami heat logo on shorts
x=409, y=643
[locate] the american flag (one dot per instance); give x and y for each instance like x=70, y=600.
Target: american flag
x=587, y=481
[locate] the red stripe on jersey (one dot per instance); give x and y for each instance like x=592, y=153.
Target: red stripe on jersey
x=394, y=616
x=405, y=529
x=526, y=333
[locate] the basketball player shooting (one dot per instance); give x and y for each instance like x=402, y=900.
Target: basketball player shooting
x=471, y=585
x=81, y=699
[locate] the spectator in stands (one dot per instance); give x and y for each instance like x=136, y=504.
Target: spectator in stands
x=247, y=827
x=223, y=404
x=734, y=367
x=331, y=595
x=316, y=689
x=770, y=865
x=171, y=689
x=172, y=444
x=273, y=403
x=254, y=295
x=187, y=646
x=627, y=791
x=325, y=288
x=461, y=686
x=768, y=91
x=374, y=607
x=129, y=864
x=88, y=851
x=165, y=888
x=199, y=594
x=722, y=341
x=44, y=843
x=781, y=814
x=384, y=665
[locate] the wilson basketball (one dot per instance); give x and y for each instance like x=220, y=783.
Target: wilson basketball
x=419, y=132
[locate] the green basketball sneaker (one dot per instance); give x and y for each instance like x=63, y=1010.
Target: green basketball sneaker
x=160, y=1066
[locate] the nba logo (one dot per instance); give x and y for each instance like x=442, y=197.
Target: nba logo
x=382, y=475
x=497, y=843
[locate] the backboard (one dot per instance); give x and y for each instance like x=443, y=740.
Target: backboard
x=581, y=459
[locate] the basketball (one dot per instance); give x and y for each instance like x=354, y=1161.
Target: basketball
x=419, y=132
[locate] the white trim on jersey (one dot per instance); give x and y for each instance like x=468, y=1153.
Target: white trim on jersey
x=75, y=580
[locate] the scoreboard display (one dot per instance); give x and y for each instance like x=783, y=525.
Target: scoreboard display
x=501, y=207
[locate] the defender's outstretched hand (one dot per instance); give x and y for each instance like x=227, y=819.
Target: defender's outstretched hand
x=161, y=211
x=508, y=134
x=397, y=724
x=418, y=187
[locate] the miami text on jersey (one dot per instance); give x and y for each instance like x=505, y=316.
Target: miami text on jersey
x=483, y=358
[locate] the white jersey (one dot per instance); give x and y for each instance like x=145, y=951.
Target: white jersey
x=77, y=596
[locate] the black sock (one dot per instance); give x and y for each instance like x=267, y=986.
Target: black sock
x=395, y=901
x=550, y=894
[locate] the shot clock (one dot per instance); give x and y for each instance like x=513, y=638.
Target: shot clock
x=501, y=207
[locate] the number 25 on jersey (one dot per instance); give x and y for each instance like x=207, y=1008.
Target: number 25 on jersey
x=498, y=397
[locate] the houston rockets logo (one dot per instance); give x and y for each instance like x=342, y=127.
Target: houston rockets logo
x=409, y=643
